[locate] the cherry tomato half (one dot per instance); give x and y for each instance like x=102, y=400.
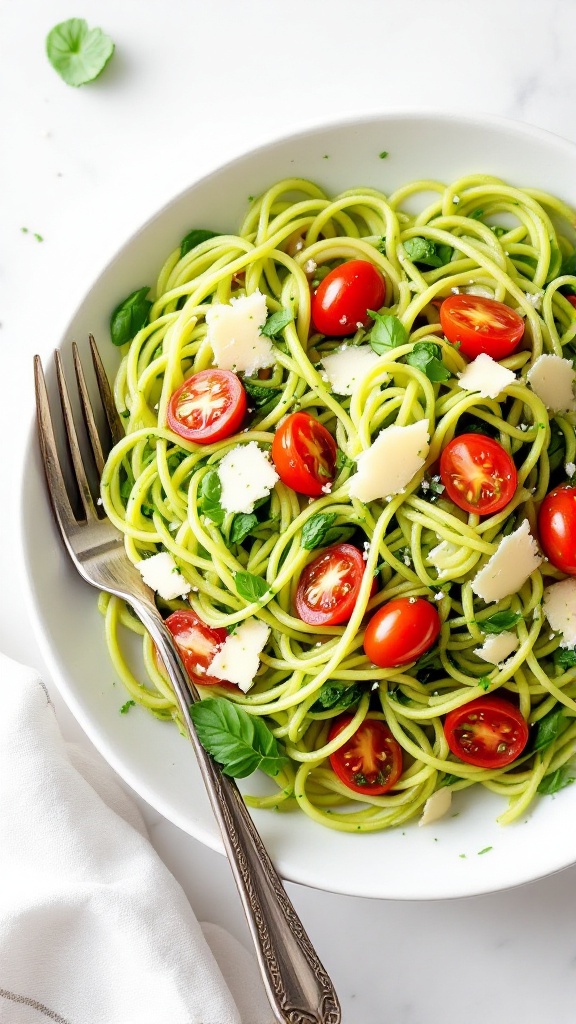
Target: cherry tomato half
x=488, y=732
x=371, y=760
x=197, y=645
x=401, y=631
x=478, y=473
x=342, y=299
x=481, y=325
x=207, y=407
x=304, y=454
x=328, y=586
x=557, y=528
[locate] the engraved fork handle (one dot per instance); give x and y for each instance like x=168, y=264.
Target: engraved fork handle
x=297, y=985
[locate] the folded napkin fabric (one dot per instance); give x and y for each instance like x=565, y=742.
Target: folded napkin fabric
x=93, y=927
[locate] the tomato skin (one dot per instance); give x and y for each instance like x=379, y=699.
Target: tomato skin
x=328, y=587
x=489, y=732
x=197, y=645
x=557, y=528
x=401, y=631
x=209, y=406
x=481, y=325
x=478, y=473
x=343, y=298
x=571, y=299
x=371, y=753
x=304, y=454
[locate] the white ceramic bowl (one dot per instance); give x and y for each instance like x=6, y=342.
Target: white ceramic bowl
x=438, y=861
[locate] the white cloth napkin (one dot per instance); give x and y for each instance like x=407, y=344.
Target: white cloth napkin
x=93, y=927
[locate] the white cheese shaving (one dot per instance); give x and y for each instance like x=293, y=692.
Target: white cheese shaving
x=234, y=334
x=496, y=649
x=391, y=461
x=246, y=475
x=346, y=368
x=161, y=574
x=515, y=558
x=486, y=376
x=552, y=379
x=436, y=806
x=238, y=659
x=559, y=606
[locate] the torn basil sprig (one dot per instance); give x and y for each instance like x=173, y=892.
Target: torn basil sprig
x=239, y=742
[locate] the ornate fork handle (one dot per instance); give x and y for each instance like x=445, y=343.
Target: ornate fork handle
x=297, y=985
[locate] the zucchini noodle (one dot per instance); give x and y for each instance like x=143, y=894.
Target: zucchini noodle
x=504, y=242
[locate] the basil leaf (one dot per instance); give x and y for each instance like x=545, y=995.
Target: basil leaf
x=239, y=742
x=242, y=524
x=342, y=460
x=337, y=697
x=555, y=781
x=130, y=316
x=476, y=214
x=315, y=529
x=499, y=622
x=569, y=264
x=427, y=357
x=209, y=495
x=424, y=250
x=449, y=780
x=276, y=323
x=564, y=658
x=126, y=707
x=388, y=332
x=194, y=238
x=259, y=394
x=250, y=587
x=549, y=728
x=78, y=53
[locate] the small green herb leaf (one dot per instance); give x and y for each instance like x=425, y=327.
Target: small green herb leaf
x=259, y=394
x=484, y=683
x=276, y=323
x=499, y=622
x=242, y=525
x=239, y=742
x=556, y=781
x=78, y=53
x=250, y=587
x=209, y=495
x=426, y=356
x=388, y=332
x=549, y=728
x=130, y=316
x=564, y=658
x=315, y=529
x=337, y=697
x=342, y=460
x=424, y=250
x=126, y=707
x=194, y=238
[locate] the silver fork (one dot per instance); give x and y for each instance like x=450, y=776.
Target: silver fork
x=297, y=985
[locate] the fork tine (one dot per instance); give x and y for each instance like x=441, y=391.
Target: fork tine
x=114, y=422
x=87, y=412
x=56, y=486
x=81, y=478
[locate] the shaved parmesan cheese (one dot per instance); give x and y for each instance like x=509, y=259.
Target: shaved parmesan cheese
x=161, y=574
x=552, y=379
x=389, y=464
x=346, y=368
x=496, y=649
x=560, y=609
x=486, y=376
x=238, y=659
x=436, y=806
x=234, y=334
x=246, y=474
x=515, y=558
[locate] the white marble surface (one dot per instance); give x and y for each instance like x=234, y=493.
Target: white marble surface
x=191, y=85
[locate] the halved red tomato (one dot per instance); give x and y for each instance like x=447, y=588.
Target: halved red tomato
x=329, y=585
x=341, y=302
x=304, y=454
x=478, y=473
x=557, y=528
x=400, y=631
x=371, y=760
x=489, y=732
x=571, y=299
x=197, y=644
x=481, y=325
x=207, y=407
